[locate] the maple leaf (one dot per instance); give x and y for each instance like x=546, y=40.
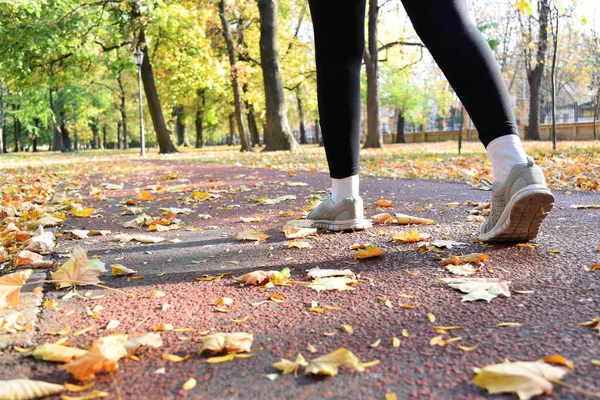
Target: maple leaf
x=526, y=379
x=288, y=366
x=410, y=237
x=260, y=278
x=298, y=233
x=479, y=288
x=236, y=342
x=78, y=270
x=28, y=389
x=81, y=212
x=43, y=243
x=10, y=286
x=333, y=283
x=368, y=252
x=476, y=258
x=329, y=364
x=25, y=257
x=250, y=235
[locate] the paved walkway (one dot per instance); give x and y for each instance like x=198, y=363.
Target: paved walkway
x=563, y=292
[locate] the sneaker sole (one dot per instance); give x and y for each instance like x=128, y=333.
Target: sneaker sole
x=523, y=216
x=337, y=226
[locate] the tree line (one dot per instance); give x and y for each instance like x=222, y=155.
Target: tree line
x=247, y=66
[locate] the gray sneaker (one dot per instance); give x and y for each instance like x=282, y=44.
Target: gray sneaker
x=519, y=205
x=348, y=214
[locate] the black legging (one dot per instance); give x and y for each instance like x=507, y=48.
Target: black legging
x=455, y=43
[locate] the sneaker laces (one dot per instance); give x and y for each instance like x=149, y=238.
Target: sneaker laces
x=486, y=184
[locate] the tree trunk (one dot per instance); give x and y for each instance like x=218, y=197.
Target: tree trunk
x=66, y=140
x=16, y=128
x=301, y=116
x=182, y=139
x=596, y=112
x=534, y=75
x=122, y=109
x=231, y=128
x=460, y=131
x=253, y=126
x=200, y=118
x=317, y=131
x=3, y=120
x=119, y=139
x=400, y=138
x=104, y=137
x=57, y=137
x=95, y=133
x=553, y=79
x=374, y=138
x=165, y=144
x=237, y=98
x=34, y=137
x=278, y=130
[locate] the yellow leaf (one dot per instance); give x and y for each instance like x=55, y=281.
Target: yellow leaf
x=163, y=327
x=391, y=396
x=403, y=219
x=395, y=342
x=410, y=237
x=60, y=332
x=250, y=235
x=328, y=365
x=118, y=269
x=223, y=301
x=555, y=251
x=220, y=359
x=78, y=270
x=476, y=258
x=368, y=252
x=78, y=388
x=82, y=212
x=431, y=317
x=504, y=324
x=596, y=363
x=349, y=330
x=145, y=195
x=406, y=306
x=156, y=293
x=404, y=333
x=174, y=358
x=298, y=244
x=375, y=344
x=298, y=233
x=189, y=384
x=10, y=286
x=236, y=342
x=369, y=364
x=311, y=348
x=558, y=359
x=88, y=396
x=83, y=331
x=383, y=203
x=526, y=379
x=385, y=301
x=287, y=366
x=251, y=219
x=383, y=218
x=28, y=389
x=240, y=320
x=25, y=257
x=465, y=348
x=57, y=353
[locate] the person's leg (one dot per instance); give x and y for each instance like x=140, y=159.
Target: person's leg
x=520, y=197
x=339, y=46
x=466, y=59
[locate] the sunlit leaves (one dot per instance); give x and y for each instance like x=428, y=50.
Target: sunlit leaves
x=236, y=342
x=479, y=288
x=10, y=286
x=78, y=270
x=22, y=389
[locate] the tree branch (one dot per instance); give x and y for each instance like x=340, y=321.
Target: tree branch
x=399, y=43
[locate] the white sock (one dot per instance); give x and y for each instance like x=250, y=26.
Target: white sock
x=343, y=188
x=505, y=152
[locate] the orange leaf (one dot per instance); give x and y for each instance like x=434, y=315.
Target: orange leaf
x=368, y=252
x=10, y=286
x=383, y=203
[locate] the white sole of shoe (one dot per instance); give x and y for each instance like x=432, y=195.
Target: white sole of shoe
x=523, y=215
x=348, y=225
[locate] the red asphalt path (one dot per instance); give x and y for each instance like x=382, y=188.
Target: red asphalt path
x=414, y=370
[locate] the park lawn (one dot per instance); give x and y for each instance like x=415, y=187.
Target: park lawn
x=573, y=166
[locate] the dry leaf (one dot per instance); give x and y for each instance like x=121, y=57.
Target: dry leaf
x=250, y=235
x=299, y=233
x=287, y=366
x=78, y=270
x=463, y=269
x=299, y=244
x=594, y=324
x=410, y=237
x=383, y=203
x=431, y=317
x=465, y=348
x=329, y=364
x=57, y=353
x=383, y=218
x=88, y=396
x=349, y=330
x=78, y=388
x=10, y=286
x=333, y=283
x=139, y=238
x=22, y=389
x=263, y=277
x=479, y=288
x=25, y=257
x=189, y=384
x=235, y=342
x=368, y=252
x=118, y=269
x=325, y=273
x=395, y=342
x=476, y=258
x=403, y=219
x=375, y=343
x=526, y=379
x=174, y=358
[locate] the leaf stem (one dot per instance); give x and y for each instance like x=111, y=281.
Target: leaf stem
x=81, y=283
x=575, y=388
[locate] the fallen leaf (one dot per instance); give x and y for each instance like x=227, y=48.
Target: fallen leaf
x=383, y=218
x=349, y=330
x=395, y=342
x=25, y=257
x=78, y=388
x=368, y=252
x=235, y=342
x=287, y=366
x=526, y=379
x=299, y=233
x=476, y=258
x=28, y=389
x=410, y=237
x=383, y=203
x=508, y=324
x=118, y=269
x=328, y=365
x=88, y=396
x=431, y=318
x=465, y=348
x=156, y=293
x=112, y=324
x=174, y=358
x=10, y=286
x=299, y=244
x=250, y=235
x=558, y=359
x=82, y=212
x=463, y=269
x=189, y=384
x=375, y=343
x=139, y=238
x=57, y=353
x=479, y=288
x=325, y=273
x=333, y=283
x=403, y=219
x=78, y=270
x=263, y=277
x=594, y=324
